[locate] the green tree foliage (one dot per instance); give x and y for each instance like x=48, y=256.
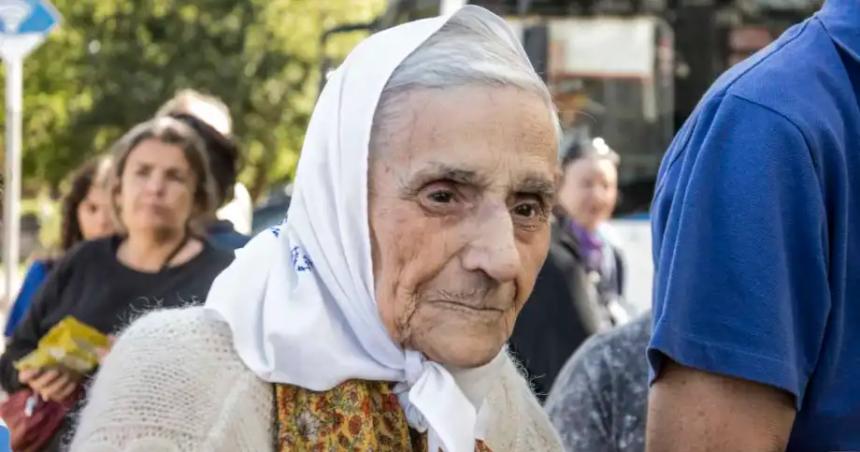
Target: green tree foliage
x=113, y=62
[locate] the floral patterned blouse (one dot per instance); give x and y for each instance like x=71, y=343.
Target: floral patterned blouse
x=357, y=415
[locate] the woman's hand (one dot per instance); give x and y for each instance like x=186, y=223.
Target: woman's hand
x=52, y=384
x=103, y=352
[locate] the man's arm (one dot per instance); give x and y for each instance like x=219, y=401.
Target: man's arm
x=742, y=280
x=690, y=410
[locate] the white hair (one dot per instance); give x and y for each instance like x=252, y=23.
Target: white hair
x=465, y=51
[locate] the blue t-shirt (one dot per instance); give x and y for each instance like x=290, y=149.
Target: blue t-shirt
x=757, y=229
x=36, y=275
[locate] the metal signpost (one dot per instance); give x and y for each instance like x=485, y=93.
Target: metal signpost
x=24, y=24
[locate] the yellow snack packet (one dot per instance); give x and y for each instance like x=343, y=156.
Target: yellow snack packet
x=70, y=344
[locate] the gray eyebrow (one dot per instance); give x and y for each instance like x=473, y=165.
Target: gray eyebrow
x=442, y=171
x=536, y=183
x=530, y=183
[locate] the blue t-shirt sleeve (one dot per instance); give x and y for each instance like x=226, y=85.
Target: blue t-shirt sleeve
x=32, y=281
x=740, y=249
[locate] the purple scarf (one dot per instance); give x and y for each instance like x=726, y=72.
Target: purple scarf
x=591, y=246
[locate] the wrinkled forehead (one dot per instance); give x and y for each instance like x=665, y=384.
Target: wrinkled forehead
x=481, y=135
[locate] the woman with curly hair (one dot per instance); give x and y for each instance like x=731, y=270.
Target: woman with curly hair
x=85, y=216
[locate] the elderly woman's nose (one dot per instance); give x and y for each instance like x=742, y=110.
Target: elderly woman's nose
x=493, y=249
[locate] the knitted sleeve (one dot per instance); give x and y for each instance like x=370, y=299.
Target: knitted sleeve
x=173, y=383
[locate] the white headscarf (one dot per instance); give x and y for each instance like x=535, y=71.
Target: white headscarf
x=299, y=298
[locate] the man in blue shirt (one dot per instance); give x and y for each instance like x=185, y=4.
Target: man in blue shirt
x=756, y=330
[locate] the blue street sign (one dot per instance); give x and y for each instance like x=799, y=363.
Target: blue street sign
x=20, y=17
x=23, y=26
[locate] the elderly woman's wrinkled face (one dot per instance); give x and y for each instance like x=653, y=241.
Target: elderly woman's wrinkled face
x=461, y=187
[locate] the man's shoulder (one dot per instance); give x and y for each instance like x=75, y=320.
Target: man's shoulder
x=796, y=77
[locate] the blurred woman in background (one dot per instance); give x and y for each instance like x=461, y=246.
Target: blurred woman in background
x=587, y=197
x=85, y=216
x=210, y=118
x=579, y=290
x=159, y=186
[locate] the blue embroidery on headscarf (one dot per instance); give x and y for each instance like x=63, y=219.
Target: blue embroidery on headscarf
x=301, y=261
x=276, y=230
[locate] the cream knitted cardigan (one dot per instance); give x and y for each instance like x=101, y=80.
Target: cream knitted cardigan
x=174, y=383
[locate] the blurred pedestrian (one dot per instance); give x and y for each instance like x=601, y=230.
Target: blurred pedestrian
x=587, y=197
x=599, y=401
x=578, y=291
x=375, y=318
x=159, y=184
x=85, y=212
x=210, y=118
x=757, y=249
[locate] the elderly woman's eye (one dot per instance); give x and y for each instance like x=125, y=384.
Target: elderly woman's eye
x=528, y=210
x=441, y=197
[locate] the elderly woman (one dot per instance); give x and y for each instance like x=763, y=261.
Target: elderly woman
x=375, y=318
x=159, y=184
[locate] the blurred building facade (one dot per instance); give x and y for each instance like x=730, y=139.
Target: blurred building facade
x=629, y=71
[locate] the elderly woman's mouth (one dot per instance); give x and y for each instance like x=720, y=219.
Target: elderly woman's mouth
x=468, y=308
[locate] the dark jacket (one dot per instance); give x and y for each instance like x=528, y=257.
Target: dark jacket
x=563, y=310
